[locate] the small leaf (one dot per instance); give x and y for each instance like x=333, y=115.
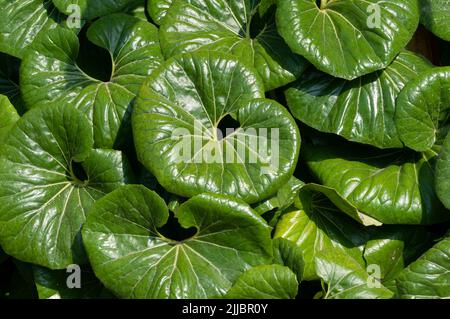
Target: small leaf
x=346, y=279
x=265, y=282
x=8, y=116
x=429, y=276
x=443, y=174
x=423, y=109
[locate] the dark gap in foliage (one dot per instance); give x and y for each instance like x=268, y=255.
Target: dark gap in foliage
x=173, y=230
x=226, y=126
x=78, y=172
x=93, y=60
x=318, y=3
x=308, y=289
x=260, y=24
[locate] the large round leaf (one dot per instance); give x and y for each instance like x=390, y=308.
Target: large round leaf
x=90, y=9
x=24, y=21
x=423, y=109
x=231, y=26
x=265, y=282
x=361, y=110
x=158, y=9
x=50, y=75
x=435, y=15
x=49, y=178
x=175, y=123
x=443, y=174
x=134, y=260
x=392, y=186
x=8, y=117
x=347, y=39
x=429, y=276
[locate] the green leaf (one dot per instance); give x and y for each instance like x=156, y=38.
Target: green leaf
x=429, y=276
x=9, y=81
x=139, y=12
x=361, y=110
x=23, y=22
x=321, y=225
x=265, y=282
x=347, y=39
x=231, y=26
x=49, y=178
x=50, y=75
x=392, y=186
x=346, y=278
x=443, y=174
x=392, y=248
x=423, y=109
x=435, y=15
x=8, y=116
x=286, y=253
x=265, y=5
x=175, y=124
x=93, y=9
x=53, y=284
x=284, y=198
x=158, y=9
x=122, y=240
x=342, y=204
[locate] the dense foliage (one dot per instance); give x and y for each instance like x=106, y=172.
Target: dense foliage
x=225, y=149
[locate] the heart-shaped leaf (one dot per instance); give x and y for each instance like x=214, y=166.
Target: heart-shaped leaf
x=50, y=75
x=175, y=124
x=391, y=186
x=231, y=26
x=347, y=39
x=423, y=109
x=49, y=178
x=361, y=110
x=89, y=9
x=265, y=282
x=8, y=116
x=429, y=276
x=123, y=241
x=346, y=279
x=435, y=15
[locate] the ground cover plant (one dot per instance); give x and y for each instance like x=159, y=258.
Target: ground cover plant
x=225, y=149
